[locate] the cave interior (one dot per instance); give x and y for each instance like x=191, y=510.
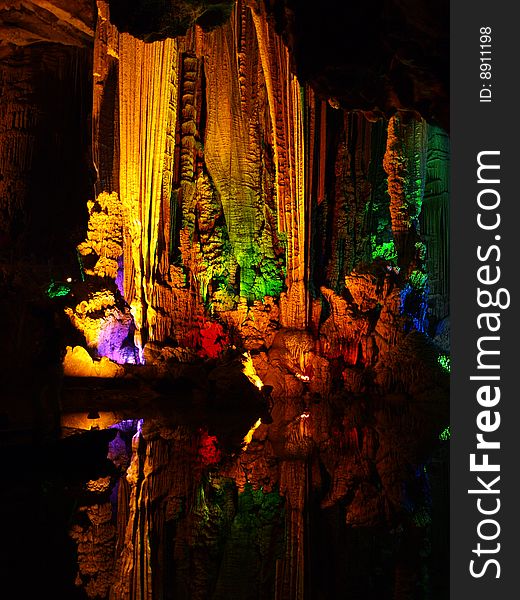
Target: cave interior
x=224, y=275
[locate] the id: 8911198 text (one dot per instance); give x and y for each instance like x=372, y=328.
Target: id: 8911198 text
x=485, y=64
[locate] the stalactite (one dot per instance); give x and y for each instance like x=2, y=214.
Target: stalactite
x=105, y=104
x=322, y=156
x=285, y=106
x=405, y=164
x=230, y=155
x=190, y=76
x=147, y=88
x=435, y=220
x=227, y=143
x=251, y=162
x=354, y=182
x=18, y=122
x=39, y=86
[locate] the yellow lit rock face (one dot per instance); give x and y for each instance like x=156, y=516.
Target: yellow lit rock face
x=148, y=92
x=105, y=235
x=250, y=371
x=98, y=485
x=249, y=435
x=79, y=363
x=258, y=323
x=89, y=315
x=80, y=420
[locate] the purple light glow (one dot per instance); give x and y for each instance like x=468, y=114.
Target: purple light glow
x=120, y=278
x=128, y=426
x=120, y=451
x=116, y=337
x=116, y=341
x=117, y=450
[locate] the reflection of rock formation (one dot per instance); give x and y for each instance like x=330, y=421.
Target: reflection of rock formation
x=233, y=211
x=356, y=448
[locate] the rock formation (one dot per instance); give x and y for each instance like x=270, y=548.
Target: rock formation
x=246, y=286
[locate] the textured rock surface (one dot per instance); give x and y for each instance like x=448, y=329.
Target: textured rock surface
x=104, y=243
x=40, y=86
x=24, y=22
x=276, y=260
